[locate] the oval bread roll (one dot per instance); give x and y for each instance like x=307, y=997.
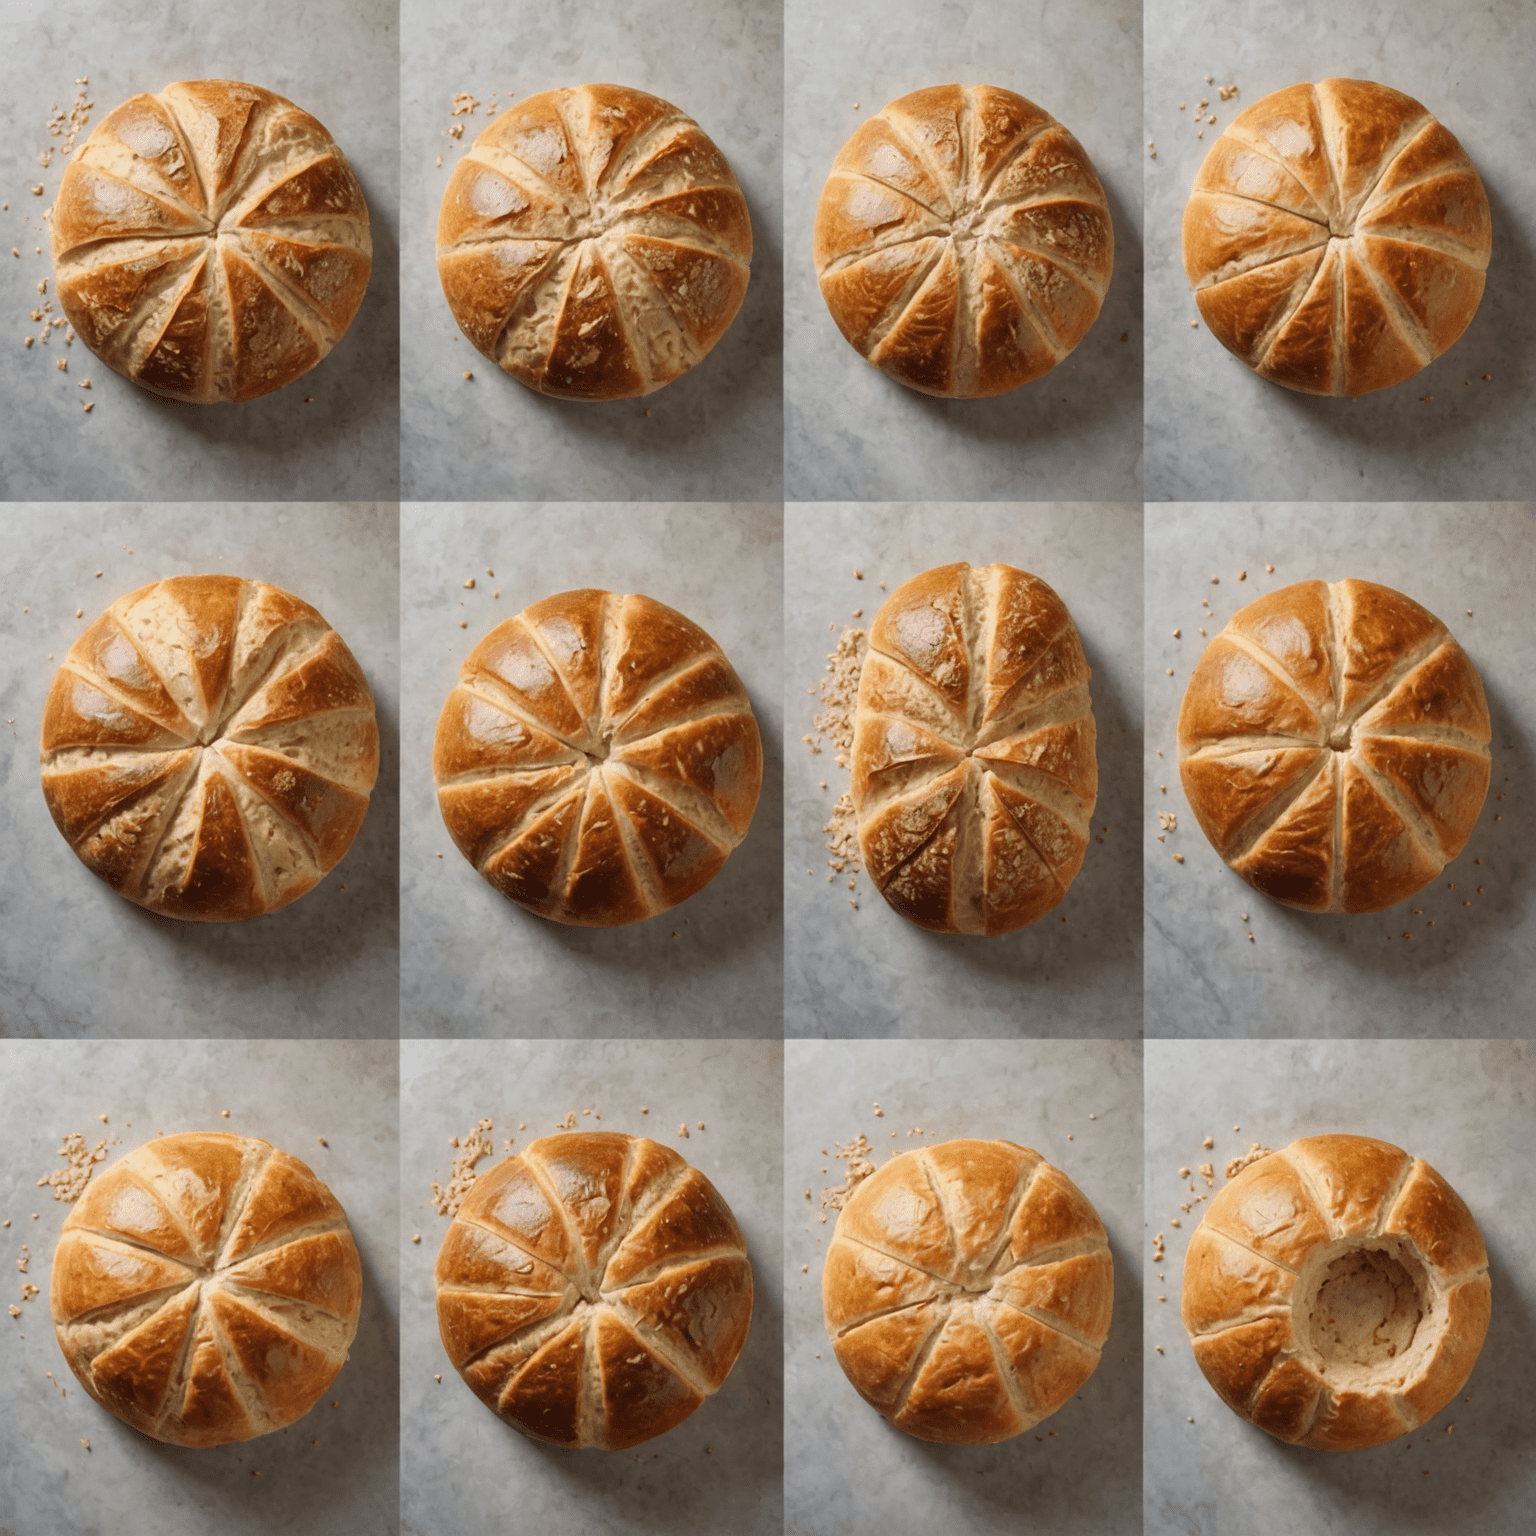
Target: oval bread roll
x=974, y=773
x=963, y=241
x=594, y=243
x=210, y=242
x=1336, y=1294
x=208, y=747
x=206, y=1289
x=968, y=1290
x=1333, y=743
x=598, y=761
x=1337, y=237
x=594, y=1290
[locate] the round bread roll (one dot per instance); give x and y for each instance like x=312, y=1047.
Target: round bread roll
x=211, y=242
x=1333, y=743
x=208, y=747
x=206, y=1289
x=594, y=243
x=598, y=761
x=968, y=1290
x=974, y=774
x=1336, y=1294
x=1337, y=237
x=963, y=242
x=594, y=1290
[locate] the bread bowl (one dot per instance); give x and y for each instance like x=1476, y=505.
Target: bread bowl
x=206, y=1289
x=208, y=747
x=594, y=1290
x=1333, y=744
x=1337, y=237
x=963, y=241
x=1336, y=1293
x=968, y=1290
x=974, y=772
x=210, y=241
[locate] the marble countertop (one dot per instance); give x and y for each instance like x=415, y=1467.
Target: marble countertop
x=475, y=963
x=870, y=972
x=340, y=63
x=849, y=430
x=848, y=1469
x=1468, y=1108
x=1471, y=972
x=288, y=1092
x=76, y=958
x=721, y=1469
x=714, y=434
x=1215, y=430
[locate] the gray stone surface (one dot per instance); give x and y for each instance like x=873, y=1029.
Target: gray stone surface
x=1215, y=430
x=1470, y=971
x=462, y=1468
x=1468, y=1108
x=847, y=1469
x=76, y=958
x=714, y=434
x=287, y=1092
x=475, y=963
x=849, y=430
x=870, y=972
x=339, y=62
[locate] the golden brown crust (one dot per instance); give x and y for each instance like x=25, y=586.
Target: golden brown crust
x=594, y=1290
x=968, y=1290
x=1337, y=237
x=1333, y=743
x=963, y=241
x=208, y=747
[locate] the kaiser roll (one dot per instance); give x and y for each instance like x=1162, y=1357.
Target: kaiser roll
x=1336, y=1293
x=594, y=1290
x=594, y=243
x=206, y=1289
x=1333, y=744
x=974, y=773
x=1337, y=237
x=963, y=242
x=211, y=242
x=968, y=1290
x=208, y=747
x=598, y=760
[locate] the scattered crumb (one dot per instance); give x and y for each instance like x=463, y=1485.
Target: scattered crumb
x=682, y=1130
x=1252, y=1155
x=416, y=1237
x=1178, y=858
x=1208, y=1143
x=68, y=1183
x=473, y=1146
x=320, y=1140
x=469, y=585
x=856, y=1153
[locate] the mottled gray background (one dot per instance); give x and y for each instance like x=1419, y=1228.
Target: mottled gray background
x=1468, y=1108
x=287, y=1092
x=1470, y=972
x=1077, y=1103
x=463, y=1469
x=849, y=430
x=870, y=971
x=341, y=63
x=1215, y=430
x=78, y=959
x=714, y=434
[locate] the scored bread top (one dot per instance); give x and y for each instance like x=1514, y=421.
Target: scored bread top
x=206, y=1289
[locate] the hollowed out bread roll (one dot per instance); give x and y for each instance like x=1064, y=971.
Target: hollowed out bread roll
x=968, y=1291
x=1333, y=743
x=210, y=242
x=594, y=1290
x=963, y=241
x=1336, y=1293
x=974, y=774
x=594, y=243
x=206, y=1289
x=598, y=761
x=208, y=747
x=1337, y=237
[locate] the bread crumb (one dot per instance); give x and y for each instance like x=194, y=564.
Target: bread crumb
x=1159, y=1347
x=682, y=1130
x=856, y=1153
x=1178, y=858
x=87, y=406
x=322, y=1141
x=805, y=1269
x=1168, y=821
x=1208, y=1143
x=86, y=1443
x=469, y=585
x=473, y=1145
x=68, y=1183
